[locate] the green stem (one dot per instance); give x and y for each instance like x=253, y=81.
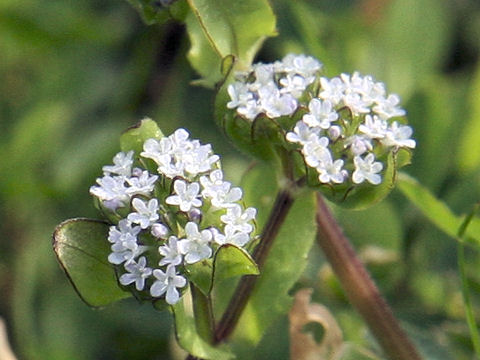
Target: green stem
x=202, y=311
x=238, y=301
x=360, y=288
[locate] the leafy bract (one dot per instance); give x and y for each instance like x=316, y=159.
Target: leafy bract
x=134, y=137
x=286, y=260
x=229, y=261
x=437, y=211
x=364, y=196
x=82, y=249
x=190, y=340
x=219, y=28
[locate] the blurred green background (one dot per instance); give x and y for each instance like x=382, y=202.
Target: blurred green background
x=75, y=74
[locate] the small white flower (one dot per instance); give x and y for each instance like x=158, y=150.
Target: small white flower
x=122, y=164
x=331, y=171
x=238, y=219
x=125, y=252
x=294, y=85
x=199, y=160
x=276, y=104
x=303, y=65
x=302, y=133
x=231, y=236
x=196, y=245
x=123, y=232
x=186, y=195
x=316, y=151
x=137, y=273
x=321, y=114
x=170, y=252
x=356, y=104
x=332, y=90
x=399, y=135
x=112, y=191
x=142, y=184
x=387, y=108
x=239, y=95
x=374, y=127
x=367, y=169
x=147, y=213
x=167, y=282
x=220, y=192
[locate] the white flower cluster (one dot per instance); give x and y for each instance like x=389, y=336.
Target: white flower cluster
x=161, y=234
x=273, y=89
x=348, y=122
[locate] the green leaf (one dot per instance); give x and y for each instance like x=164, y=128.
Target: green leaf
x=437, y=211
x=82, y=249
x=134, y=137
x=190, y=340
x=231, y=261
x=219, y=28
x=201, y=274
x=287, y=258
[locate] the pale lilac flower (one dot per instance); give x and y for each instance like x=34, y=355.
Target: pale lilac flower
x=167, y=282
x=294, y=85
x=170, y=252
x=196, y=246
x=160, y=231
x=367, y=169
x=146, y=213
x=186, y=195
x=358, y=144
x=137, y=273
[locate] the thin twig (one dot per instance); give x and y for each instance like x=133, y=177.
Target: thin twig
x=360, y=288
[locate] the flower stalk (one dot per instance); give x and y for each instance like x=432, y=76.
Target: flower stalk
x=239, y=300
x=360, y=288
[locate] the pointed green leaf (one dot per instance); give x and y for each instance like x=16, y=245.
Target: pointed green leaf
x=287, y=258
x=82, y=249
x=437, y=211
x=190, y=340
x=134, y=137
x=231, y=261
x=220, y=28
